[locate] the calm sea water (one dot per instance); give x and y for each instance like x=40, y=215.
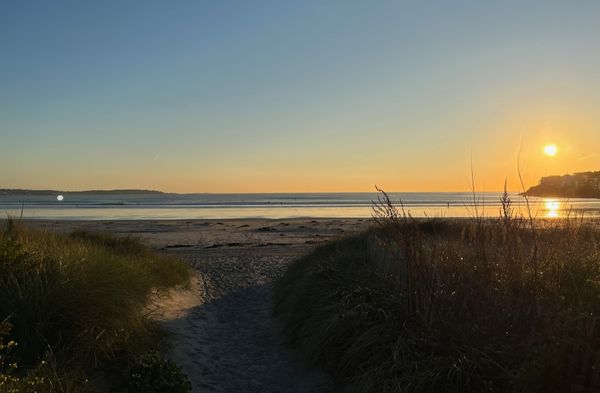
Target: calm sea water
x=221, y=206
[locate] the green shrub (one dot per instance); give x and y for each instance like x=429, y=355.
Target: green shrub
x=10, y=380
x=11, y=384
x=152, y=373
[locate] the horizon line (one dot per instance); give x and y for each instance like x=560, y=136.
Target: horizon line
x=144, y=190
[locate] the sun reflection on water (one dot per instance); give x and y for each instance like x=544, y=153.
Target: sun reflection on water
x=552, y=208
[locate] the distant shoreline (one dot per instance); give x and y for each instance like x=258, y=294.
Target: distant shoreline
x=17, y=191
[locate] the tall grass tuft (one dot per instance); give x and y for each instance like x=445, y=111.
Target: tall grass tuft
x=78, y=301
x=486, y=305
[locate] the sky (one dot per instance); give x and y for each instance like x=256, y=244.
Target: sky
x=296, y=96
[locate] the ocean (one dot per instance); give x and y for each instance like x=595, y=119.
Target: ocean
x=74, y=206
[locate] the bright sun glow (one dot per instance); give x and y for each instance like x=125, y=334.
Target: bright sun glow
x=550, y=150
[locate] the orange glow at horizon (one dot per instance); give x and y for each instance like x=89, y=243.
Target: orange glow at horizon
x=297, y=168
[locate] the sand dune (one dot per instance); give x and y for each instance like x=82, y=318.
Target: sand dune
x=223, y=333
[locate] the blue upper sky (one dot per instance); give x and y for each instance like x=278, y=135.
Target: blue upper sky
x=294, y=95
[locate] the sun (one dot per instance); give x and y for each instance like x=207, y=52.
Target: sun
x=550, y=150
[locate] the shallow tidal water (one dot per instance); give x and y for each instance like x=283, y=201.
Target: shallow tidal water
x=276, y=206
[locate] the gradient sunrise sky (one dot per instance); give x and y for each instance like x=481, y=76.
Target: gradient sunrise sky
x=292, y=96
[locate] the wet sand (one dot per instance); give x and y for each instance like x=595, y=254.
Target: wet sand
x=223, y=333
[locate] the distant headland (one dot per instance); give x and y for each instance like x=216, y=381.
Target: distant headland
x=16, y=191
x=576, y=185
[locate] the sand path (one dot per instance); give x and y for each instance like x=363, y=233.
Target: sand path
x=228, y=341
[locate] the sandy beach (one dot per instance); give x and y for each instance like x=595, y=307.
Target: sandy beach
x=223, y=333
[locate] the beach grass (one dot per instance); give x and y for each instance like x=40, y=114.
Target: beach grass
x=76, y=304
x=510, y=304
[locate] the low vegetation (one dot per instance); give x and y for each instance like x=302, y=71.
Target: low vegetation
x=481, y=305
x=72, y=309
